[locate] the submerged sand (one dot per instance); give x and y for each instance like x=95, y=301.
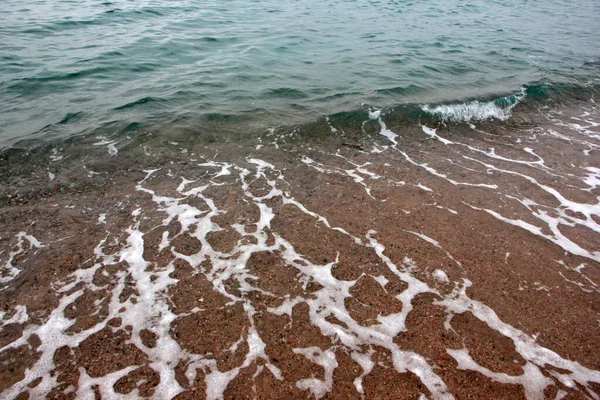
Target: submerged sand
x=455, y=262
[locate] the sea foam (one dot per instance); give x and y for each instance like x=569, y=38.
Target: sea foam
x=477, y=110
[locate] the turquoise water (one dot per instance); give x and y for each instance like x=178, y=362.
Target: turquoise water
x=74, y=67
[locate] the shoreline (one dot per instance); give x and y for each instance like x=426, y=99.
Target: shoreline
x=413, y=261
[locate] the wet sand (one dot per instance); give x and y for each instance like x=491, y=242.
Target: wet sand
x=454, y=262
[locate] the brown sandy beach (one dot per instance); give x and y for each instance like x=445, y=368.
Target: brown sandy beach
x=451, y=262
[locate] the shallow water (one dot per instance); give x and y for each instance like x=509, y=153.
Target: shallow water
x=413, y=209
x=74, y=67
x=435, y=263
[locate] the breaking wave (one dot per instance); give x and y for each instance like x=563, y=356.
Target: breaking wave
x=477, y=110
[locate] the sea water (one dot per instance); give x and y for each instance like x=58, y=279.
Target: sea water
x=73, y=67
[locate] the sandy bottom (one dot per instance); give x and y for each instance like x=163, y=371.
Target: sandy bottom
x=454, y=263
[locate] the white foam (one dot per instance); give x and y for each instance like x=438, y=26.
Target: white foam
x=112, y=149
x=490, y=152
x=326, y=359
x=436, y=244
x=149, y=308
x=382, y=280
x=474, y=110
x=425, y=188
x=536, y=356
x=20, y=316
x=432, y=132
x=110, y=145
x=552, y=222
x=217, y=382
x=440, y=276
x=366, y=363
x=54, y=156
x=391, y=136
x=433, y=171
x=9, y=271
x=375, y=114
x=589, y=286
x=532, y=380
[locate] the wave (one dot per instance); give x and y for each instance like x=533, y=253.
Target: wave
x=501, y=107
x=477, y=110
x=152, y=114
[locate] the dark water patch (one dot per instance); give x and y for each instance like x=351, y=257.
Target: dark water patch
x=63, y=25
x=401, y=90
x=142, y=101
x=592, y=63
x=220, y=117
x=33, y=82
x=561, y=92
x=458, y=69
x=452, y=51
x=339, y=96
x=131, y=128
x=144, y=67
x=109, y=55
x=37, y=30
x=149, y=10
x=122, y=14
x=285, y=93
x=71, y=117
x=255, y=77
x=432, y=69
